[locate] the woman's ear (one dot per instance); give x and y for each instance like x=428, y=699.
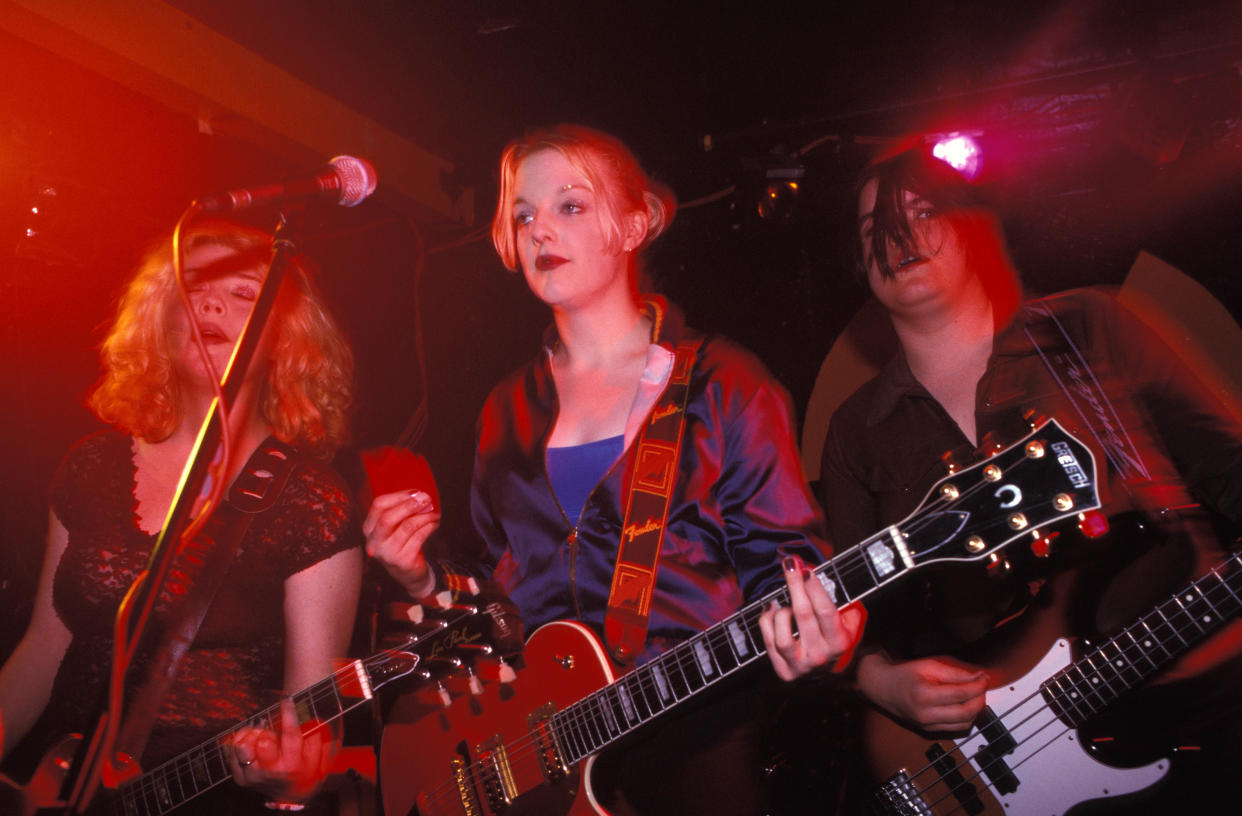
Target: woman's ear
x=634, y=230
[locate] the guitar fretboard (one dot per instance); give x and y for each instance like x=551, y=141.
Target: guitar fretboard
x=1098, y=679
x=177, y=781
x=694, y=665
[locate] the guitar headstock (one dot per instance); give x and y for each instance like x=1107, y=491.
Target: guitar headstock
x=443, y=638
x=1045, y=477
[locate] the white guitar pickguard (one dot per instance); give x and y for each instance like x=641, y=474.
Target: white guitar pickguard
x=1054, y=771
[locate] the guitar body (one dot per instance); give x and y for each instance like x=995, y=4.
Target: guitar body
x=1046, y=772
x=43, y=791
x=515, y=748
x=564, y=662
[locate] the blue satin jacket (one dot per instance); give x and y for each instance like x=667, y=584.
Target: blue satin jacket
x=739, y=505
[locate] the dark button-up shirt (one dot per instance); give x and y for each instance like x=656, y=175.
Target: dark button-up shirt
x=886, y=444
x=739, y=503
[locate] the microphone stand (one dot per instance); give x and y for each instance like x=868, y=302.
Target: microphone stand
x=97, y=759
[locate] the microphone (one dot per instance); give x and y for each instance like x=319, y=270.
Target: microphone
x=346, y=180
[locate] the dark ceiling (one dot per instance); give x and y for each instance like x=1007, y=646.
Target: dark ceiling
x=460, y=77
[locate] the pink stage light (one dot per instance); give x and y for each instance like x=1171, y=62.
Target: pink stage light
x=960, y=152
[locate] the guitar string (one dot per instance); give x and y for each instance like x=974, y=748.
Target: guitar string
x=211, y=755
x=1079, y=678
x=186, y=766
x=586, y=716
x=1079, y=684
x=581, y=715
x=585, y=722
x=214, y=749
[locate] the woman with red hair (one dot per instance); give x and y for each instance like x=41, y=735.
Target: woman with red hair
x=284, y=609
x=557, y=442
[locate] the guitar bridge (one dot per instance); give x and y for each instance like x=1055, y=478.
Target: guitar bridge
x=551, y=758
x=898, y=797
x=465, y=791
x=496, y=775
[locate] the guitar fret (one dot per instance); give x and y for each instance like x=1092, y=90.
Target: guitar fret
x=628, y=712
x=1172, y=627
x=611, y=710
x=738, y=640
x=570, y=734
x=1123, y=665
x=833, y=584
x=1237, y=600
x=1209, y=616
x=856, y=582
x=1144, y=647
x=1059, y=692
x=592, y=736
x=720, y=640
x=639, y=693
x=676, y=677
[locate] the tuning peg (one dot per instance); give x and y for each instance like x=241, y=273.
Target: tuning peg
x=993, y=443
x=1092, y=524
x=997, y=567
x=474, y=683
x=1041, y=545
x=412, y=612
x=957, y=459
x=1034, y=419
x=446, y=699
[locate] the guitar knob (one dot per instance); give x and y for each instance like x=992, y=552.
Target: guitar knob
x=997, y=567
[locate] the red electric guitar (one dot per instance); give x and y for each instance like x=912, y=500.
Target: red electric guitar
x=527, y=747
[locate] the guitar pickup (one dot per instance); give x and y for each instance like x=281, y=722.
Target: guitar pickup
x=495, y=774
x=999, y=743
x=551, y=760
x=966, y=794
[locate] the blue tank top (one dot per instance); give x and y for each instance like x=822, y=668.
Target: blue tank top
x=575, y=470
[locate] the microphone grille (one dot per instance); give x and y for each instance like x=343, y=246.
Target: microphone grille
x=357, y=177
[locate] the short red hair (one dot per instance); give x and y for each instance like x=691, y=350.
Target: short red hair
x=621, y=186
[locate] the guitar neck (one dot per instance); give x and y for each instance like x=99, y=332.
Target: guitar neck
x=174, y=783
x=705, y=659
x=1043, y=478
x=1147, y=646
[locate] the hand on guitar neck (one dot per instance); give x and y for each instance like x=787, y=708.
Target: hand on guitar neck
x=286, y=764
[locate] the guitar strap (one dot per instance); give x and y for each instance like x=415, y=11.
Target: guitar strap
x=198, y=573
x=1073, y=374
x=654, y=474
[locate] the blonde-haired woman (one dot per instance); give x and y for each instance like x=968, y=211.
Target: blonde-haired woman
x=284, y=609
x=555, y=450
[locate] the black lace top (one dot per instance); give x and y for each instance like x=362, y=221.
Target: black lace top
x=236, y=665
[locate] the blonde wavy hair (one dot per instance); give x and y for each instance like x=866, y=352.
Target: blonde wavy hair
x=308, y=390
x=621, y=185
